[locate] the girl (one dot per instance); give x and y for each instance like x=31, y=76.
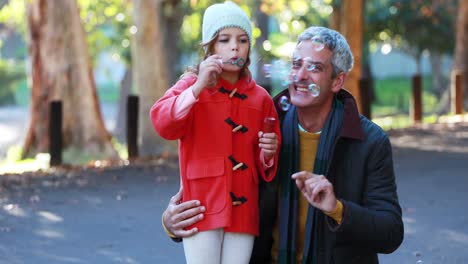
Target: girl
x=217, y=111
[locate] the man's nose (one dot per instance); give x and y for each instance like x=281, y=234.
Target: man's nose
x=302, y=73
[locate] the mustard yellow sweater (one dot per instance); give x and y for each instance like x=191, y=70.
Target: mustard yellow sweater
x=308, y=144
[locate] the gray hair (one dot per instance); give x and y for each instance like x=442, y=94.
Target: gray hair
x=342, y=59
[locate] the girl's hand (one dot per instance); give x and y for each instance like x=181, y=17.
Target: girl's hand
x=207, y=73
x=268, y=143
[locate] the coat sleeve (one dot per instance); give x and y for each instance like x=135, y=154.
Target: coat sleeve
x=269, y=173
x=161, y=113
x=377, y=223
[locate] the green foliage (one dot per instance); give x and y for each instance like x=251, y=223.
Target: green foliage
x=287, y=20
x=121, y=148
x=14, y=154
x=10, y=74
x=14, y=164
x=107, y=24
x=293, y=17
x=191, y=32
x=12, y=14
x=412, y=25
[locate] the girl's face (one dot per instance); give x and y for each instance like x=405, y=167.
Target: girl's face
x=233, y=46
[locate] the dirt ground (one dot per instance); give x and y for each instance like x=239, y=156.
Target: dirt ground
x=113, y=214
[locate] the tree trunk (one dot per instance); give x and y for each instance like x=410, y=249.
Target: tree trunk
x=149, y=73
x=121, y=119
x=61, y=70
x=417, y=60
x=171, y=18
x=261, y=19
x=461, y=43
x=351, y=23
x=335, y=18
x=439, y=81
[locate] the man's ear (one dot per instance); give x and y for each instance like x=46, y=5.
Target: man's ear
x=338, y=82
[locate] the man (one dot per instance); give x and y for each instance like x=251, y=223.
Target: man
x=348, y=211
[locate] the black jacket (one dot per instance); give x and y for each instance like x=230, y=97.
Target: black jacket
x=361, y=171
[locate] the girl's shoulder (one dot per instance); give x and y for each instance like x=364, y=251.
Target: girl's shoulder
x=188, y=77
x=186, y=80
x=262, y=90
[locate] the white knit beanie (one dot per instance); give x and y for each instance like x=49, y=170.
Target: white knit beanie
x=221, y=16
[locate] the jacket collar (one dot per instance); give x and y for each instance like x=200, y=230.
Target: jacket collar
x=243, y=84
x=351, y=127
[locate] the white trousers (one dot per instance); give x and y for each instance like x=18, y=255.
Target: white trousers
x=218, y=247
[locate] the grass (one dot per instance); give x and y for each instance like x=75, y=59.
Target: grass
x=393, y=95
x=401, y=121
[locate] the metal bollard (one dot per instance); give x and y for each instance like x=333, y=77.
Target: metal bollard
x=132, y=126
x=55, y=133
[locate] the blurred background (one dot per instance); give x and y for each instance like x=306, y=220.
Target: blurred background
x=92, y=56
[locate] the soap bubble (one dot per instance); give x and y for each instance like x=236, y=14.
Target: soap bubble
x=278, y=71
x=285, y=82
x=314, y=89
x=284, y=103
x=267, y=70
x=318, y=43
x=311, y=67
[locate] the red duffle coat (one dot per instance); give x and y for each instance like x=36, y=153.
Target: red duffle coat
x=209, y=149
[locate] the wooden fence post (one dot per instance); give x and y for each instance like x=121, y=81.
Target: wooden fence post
x=456, y=92
x=132, y=126
x=55, y=133
x=416, y=100
x=364, y=86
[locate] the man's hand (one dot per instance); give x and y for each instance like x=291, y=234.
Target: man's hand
x=181, y=215
x=317, y=190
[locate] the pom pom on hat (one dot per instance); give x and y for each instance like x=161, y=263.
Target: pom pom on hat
x=220, y=16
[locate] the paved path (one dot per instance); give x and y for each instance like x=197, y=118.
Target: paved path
x=113, y=215
x=432, y=179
